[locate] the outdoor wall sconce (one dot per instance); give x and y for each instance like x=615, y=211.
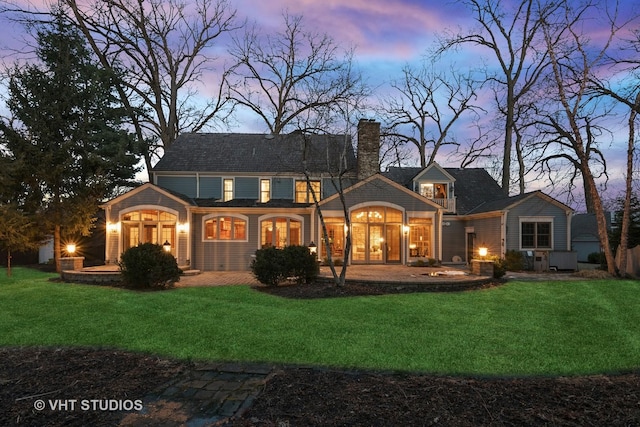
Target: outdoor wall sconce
x=166, y=246
x=183, y=227
x=405, y=229
x=483, y=251
x=71, y=248
x=313, y=248
x=112, y=227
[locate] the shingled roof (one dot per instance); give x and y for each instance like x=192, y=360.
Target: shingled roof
x=256, y=153
x=473, y=187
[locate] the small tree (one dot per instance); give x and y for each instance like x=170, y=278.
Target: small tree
x=149, y=266
x=17, y=232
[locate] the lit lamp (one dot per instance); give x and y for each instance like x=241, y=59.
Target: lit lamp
x=482, y=251
x=405, y=229
x=166, y=246
x=313, y=248
x=71, y=248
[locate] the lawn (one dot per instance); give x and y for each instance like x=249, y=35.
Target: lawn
x=521, y=328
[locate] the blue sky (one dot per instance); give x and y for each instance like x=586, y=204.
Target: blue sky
x=386, y=34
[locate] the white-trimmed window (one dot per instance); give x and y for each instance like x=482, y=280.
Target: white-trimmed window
x=536, y=233
x=265, y=190
x=227, y=189
x=280, y=232
x=224, y=228
x=303, y=191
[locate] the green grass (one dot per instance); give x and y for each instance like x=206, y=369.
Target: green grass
x=520, y=328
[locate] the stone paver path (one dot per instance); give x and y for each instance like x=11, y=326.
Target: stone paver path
x=211, y=393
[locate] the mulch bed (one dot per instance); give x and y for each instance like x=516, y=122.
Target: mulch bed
x=296, y=396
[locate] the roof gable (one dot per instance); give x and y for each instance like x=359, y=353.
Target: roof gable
x=184, y=200
x=513, y=201
x=434, y=173
x=381, y=177
x=258, y=153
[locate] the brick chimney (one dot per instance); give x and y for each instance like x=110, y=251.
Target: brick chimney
x=368, y=148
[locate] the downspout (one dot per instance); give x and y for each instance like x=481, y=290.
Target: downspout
x=569, y=246
x=107, y=232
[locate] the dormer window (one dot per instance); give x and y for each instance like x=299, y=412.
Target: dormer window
x=433, y=191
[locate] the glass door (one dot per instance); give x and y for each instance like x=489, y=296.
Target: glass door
x=358, y=242
x=376, y=243
x=393, y=242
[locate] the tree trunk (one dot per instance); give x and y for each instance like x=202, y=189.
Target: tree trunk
x=8, y=262
x=57, y=248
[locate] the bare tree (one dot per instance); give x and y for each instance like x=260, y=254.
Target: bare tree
x=513, y=36
x=292, y=78
x=428, y=104
x=572, y=124
x=163, y=48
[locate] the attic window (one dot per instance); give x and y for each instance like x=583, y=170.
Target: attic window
x=433, y=190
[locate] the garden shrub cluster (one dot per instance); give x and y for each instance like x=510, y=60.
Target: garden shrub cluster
x=514, y=260
x=149, y=266
x=272, y=266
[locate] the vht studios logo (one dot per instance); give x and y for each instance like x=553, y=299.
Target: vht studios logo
x=88, y=405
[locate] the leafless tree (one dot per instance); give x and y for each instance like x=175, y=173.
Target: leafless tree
x=427, y=105
x=292, y=78
x=163, y=48
x=513, y=36
x=573, y=123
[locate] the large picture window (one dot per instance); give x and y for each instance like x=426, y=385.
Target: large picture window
x=535, y=235
x=225, y=228
x=148, y=226
x=280, y=232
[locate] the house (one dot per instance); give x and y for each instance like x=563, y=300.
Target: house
x=214, y=199
x=584, y=234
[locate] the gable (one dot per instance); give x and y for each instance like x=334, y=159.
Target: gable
x=434, y=173
x=378, y=188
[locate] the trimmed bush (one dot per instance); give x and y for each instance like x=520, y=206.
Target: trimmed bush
x=499, y=267
x=149, y=266
x=272, y=266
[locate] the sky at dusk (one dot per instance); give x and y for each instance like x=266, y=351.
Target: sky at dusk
x=386, y=35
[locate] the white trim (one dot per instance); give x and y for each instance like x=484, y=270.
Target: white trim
x=536, y=219
x=220, y=215
x=279, y=215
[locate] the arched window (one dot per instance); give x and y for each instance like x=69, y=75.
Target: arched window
x=280, y=232
x=225, y=228
x=148, y=226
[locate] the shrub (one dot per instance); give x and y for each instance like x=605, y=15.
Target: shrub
x=271, y=266
x=499, y=267
x=596, y=258
x=149, y=266
x=514, y=260
x=301, y=264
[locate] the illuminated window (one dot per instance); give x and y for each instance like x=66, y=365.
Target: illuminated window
x=303, y=191
x=265, y=190
x=228, y=190
x=280, y=232
x=225, y=228
x=148, y=226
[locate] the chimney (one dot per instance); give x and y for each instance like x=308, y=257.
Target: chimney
x=368, y=148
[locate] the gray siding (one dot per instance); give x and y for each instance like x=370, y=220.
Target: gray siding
x=210, y=187
x=186, y=185
x=432, y=175
x=381, y=191
x=232, y=255
x=282, y=188
x=488, y=233
x=453, y=240
x=247, y=188
x=536, y=206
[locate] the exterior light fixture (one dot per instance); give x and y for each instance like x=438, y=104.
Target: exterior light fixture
x=483, y=251
x=313, y=248
x=183, y=227
x=112, y=227
x=166, y=246
x=405, y=229
x=71, y=248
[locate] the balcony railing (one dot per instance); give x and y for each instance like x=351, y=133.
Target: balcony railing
x=448, y=204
